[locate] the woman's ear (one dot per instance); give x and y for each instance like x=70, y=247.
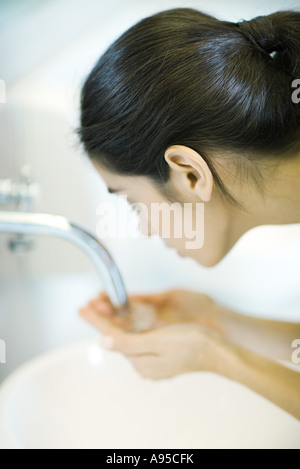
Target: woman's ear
x=191, y=171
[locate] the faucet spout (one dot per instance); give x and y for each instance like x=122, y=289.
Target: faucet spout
x=60, y=227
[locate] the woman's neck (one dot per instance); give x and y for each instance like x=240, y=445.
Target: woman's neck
x=278, y=202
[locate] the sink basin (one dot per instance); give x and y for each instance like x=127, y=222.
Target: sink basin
x=85, y=397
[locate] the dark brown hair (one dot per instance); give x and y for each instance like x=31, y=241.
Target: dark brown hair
x=182, y=77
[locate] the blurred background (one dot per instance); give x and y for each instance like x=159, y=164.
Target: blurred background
x=46, y=50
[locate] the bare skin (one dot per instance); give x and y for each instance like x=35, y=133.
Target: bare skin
x=187, y=331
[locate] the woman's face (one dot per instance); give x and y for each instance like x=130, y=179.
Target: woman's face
x=194, y=228
x=191, y=215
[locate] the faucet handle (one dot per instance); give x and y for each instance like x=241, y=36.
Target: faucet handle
x=29, y=189
x=22, y=193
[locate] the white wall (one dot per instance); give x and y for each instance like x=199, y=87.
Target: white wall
x=36, y=128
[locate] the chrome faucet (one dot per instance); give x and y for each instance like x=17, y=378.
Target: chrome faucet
x=21, y=194
x=60, y=227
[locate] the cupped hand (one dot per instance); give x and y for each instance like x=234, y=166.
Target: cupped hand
x=164, y=347
x=147, y=312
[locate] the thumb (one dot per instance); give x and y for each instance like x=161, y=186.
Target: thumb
x=158, y=299
x=116, y=338
x=100, y=322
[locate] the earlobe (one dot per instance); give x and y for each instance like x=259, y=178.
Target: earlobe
x=193, y=170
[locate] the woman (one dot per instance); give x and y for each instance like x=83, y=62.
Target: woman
x=189, y=109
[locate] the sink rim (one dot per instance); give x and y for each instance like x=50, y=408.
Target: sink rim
x=12, y=383
x=22, y=375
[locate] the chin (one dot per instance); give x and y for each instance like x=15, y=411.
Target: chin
x=206, y=261
x=209, y=264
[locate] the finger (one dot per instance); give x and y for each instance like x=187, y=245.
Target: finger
x=120, y=322
x=159, y=299
x=96, y=319
x=124, y=342
x=106, y=309
x=103, y=307
x=136, y=344
x=103, y=296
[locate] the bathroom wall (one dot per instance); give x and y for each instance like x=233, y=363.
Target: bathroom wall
x=46, y=53
x=37, y=124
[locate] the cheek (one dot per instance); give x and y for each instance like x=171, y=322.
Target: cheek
x=184, y=231
x=144, y=217
x=173, y=223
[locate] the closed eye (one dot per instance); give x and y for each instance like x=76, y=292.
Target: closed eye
x=112, y=191
x=119, y=193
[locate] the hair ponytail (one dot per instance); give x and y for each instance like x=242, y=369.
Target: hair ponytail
x=277, y=34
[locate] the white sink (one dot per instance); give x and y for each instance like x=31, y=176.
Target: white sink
x=85, y=397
